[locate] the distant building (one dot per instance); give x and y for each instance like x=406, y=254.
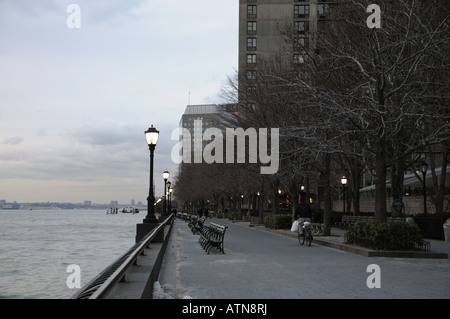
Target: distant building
x=5, y=205
x=87, y=203
x=207, y=116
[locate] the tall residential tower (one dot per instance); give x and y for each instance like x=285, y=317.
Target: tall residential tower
x=270, y=27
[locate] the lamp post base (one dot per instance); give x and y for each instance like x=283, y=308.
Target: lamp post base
x=150, y=220
x=143, y=229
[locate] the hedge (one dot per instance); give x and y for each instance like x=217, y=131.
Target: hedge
x=385, y=235
x=281, y=221
x=431, y=225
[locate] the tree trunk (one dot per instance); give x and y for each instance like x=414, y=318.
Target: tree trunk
x=328, y=201
x=356, y=182
x=397, y=178
x=380, y=183
x=261, y=200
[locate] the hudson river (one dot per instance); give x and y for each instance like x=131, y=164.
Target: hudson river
x=36, y=246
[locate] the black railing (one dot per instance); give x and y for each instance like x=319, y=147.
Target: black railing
x=99, y=287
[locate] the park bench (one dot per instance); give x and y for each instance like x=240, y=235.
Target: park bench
x=191, y=221
x=212, y=236
x=196, y=225
x=318, y=229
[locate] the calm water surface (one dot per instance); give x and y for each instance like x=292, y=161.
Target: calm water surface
x=36, y=246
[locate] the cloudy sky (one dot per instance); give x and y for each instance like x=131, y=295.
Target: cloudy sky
x=75, y=102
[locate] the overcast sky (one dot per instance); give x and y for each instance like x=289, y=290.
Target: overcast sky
x=75, y=102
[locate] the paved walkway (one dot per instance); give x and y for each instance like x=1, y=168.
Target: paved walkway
x=260, y=264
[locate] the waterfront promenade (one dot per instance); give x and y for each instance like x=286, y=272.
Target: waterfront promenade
x=260, y=264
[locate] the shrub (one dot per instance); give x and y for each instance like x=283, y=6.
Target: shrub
x=278, y=221
x=385, y=235
x=431, y=224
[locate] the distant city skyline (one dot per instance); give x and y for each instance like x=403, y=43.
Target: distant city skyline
x=75, y=102
x=86, y=205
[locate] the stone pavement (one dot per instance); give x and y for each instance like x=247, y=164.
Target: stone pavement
x=261, y=264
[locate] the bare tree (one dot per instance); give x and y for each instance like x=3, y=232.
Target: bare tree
x=385, y=101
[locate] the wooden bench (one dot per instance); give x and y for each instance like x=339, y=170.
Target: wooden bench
x=191, y=221
x=183, y=216
x=196, y=225
x=212, y=236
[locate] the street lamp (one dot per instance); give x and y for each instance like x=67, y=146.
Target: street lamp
x=170, y=189
x=423, y=168
x=166, y=175
x=344, y=182
x=151, y=135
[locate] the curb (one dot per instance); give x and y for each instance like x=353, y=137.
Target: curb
x=381, y=253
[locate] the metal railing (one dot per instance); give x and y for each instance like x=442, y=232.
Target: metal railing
x=99, y=287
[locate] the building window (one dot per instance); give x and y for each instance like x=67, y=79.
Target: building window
x=251, y=91
x=299, y=58
x=251, y=43
x=301, y=26
x=251, y=75
x=321, y=25
x=251, y=58
x=301, y=11
x=301, y=44
x=251, y=11
x=251, y=106
x=251, y=26
x=323, y=9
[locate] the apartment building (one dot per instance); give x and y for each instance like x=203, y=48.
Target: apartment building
x=269, y=27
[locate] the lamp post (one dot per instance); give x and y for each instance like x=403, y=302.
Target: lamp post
x=150, y=221
x=344, y=182
x=151, y=135
x=423, y=168
x=169, y=184
x=170, y=189
x=166, y=175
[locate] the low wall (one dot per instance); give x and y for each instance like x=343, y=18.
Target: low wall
x=413, y=205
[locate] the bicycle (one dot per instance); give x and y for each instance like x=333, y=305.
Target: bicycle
x=305, y=233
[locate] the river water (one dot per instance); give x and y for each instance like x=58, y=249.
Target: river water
x=37, y=246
